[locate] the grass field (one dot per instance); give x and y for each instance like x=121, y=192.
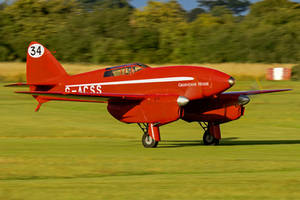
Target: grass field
x=74, y=150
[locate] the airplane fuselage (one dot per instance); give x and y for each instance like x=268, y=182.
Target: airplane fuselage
x=189, y=81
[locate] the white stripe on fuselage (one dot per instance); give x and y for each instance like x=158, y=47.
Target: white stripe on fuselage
x=153, y=80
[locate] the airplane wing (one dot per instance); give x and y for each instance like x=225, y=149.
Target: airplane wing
x=242, y=96
x=27, y=85
x=253, y=92
x=44, y=96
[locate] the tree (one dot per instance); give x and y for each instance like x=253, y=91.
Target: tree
x=31, y=20
x=3, y=5
x=237, y=6
x=90, y=4
x=193, y=14
x=262, y=8
x=98, y=34
x=159, y=14
x=111, y=31
x=272, y=31
x=5, y=51
x=169, y=19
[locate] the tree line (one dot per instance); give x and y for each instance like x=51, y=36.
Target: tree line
x=113, y=31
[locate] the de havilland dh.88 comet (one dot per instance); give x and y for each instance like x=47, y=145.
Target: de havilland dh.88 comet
x=137, y=93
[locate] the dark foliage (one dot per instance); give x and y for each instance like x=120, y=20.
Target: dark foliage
x=296, y=73
x=237, y=6
x=112, y=31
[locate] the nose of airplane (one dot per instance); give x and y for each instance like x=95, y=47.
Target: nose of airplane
x=220, y=82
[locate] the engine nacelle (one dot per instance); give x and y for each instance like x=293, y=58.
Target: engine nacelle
x=160, y=110
x=220, y=110
x=221, y=115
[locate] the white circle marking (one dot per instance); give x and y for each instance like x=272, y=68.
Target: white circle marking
x=35, y=50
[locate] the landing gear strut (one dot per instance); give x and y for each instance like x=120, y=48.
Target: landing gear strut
x=211, y=134
x=151, y=135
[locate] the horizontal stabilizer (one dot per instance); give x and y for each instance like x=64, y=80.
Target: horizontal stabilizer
x=27, y=85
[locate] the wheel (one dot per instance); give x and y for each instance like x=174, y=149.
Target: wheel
x=209, y=139
x=148, y=141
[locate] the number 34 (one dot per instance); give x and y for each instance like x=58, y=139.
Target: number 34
x=36, y=50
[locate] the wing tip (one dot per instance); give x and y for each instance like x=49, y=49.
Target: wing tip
x=254, y=92
x=20, y=84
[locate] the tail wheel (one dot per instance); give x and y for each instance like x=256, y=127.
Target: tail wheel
x=209, y=139
x=148, y=141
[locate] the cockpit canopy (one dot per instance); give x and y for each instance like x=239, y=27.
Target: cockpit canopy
x=127, y=69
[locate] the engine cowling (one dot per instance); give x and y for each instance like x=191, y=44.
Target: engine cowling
x=160, y=110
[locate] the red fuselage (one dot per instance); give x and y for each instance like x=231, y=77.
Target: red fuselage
x=189, y=81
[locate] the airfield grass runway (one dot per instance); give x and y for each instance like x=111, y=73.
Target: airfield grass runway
x=74, y=150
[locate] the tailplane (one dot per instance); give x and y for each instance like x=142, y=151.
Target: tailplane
x=43, y=72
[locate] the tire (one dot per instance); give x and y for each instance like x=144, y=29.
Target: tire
x=209, y=139
x=148, y=141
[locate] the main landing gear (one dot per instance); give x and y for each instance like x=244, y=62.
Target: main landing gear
x=151, y=135
x=212, y=133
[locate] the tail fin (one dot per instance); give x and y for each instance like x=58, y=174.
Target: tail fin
x=41, y=66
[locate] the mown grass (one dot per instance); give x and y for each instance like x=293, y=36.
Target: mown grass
x=74, y=150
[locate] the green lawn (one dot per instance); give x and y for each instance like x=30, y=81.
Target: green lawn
x=74, y=150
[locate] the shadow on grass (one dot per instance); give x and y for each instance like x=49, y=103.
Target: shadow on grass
x=224, y=142
x=260, y=142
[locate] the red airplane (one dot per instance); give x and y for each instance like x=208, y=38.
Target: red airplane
x=137, y=93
